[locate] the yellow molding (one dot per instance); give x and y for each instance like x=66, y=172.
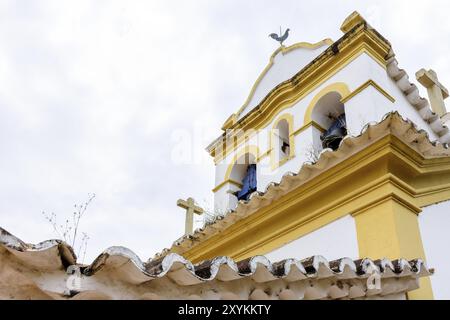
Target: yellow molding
x=284, y=50
x=352, y=21
x=229, y=122
x=290, y=92
x=380, y=172
x=251, y=149
x=387, y=198
x=390, y=229
x=233, y=142
x=265, y=154
x=230, y=181
x=286, y=95
x=379, y=45
x=306, y=126
x=339, y=87
x=276, y=165
x=364, y=86
x=239, y=185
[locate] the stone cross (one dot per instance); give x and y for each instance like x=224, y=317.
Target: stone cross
x=436, y=91
x=191, y=208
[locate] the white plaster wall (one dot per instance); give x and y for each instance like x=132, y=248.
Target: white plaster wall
x=303, y=143
x=333, y=241
x=224, y=199
x=285, y=66
x=434, y=224
x=402, y=105
x=368, y=106
x=351, y=75
x=221, y=169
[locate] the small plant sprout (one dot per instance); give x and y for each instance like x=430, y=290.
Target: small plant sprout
x=312, y=153
x=210, y=214
x=68, y=231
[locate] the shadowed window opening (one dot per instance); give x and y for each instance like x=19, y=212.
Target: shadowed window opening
x=248, y=183
x=244, y=171
x=335, y=133
x=282, y=139
x=329, y=113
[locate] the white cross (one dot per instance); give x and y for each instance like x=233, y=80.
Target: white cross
x=436, y=91
x=191, y=208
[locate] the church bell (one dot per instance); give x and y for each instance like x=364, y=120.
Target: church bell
x=335, y=133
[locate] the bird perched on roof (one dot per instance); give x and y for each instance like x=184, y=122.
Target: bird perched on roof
x=280, y=38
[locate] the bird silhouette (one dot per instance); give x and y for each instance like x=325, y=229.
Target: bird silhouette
x=280, y=38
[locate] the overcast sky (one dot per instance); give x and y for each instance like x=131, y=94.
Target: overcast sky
x=94, y=95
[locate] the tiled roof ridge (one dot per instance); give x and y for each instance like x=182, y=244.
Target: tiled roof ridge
x=66, y=252
x=412, y=94
x=225, y=269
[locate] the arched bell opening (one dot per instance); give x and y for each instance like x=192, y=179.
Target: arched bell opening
x=282, y=143
x=244, y=172
x=329, y=113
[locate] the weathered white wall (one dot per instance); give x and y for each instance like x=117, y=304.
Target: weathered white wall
x=434, y=224
x=333, y=241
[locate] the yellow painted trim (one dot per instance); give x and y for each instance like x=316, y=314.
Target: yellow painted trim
x=306, y=126
x=265, y=154
x=280, y=163
x=270, y=105
x=268, y=152
x=230, y=121
x=219, y=186
x=362, y=40
x=273, y=162
x=389, y=197
x=351, y=21
x=364, y=86
x=254, y=150
x=238, y=138
x=284, y=50
x=339, y=87
x=390, y=229
x=386, y=172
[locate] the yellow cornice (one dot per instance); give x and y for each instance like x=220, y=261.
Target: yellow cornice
x=230, y=122
x=269, y=151
x=390, y=228
x=351, y=21
x=320, y=70
x=362, y=40
x=338, y=87
x=265, y=154
x=365, y=86
x=388, y=168
x=284, y=50
x=306, y=126
x=250, y=149
x=388, y=197
x=230, y=181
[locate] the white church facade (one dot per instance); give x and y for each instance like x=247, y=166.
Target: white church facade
x=357, y=86
x=363, y=88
